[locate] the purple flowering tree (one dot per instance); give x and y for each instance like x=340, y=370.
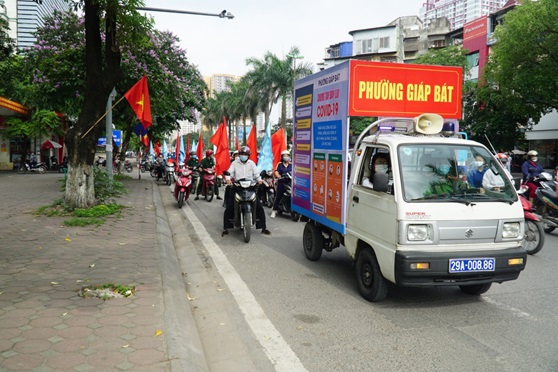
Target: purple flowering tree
x=76, y=63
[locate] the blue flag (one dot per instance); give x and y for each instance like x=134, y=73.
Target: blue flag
x=265, y=160
x=181, y=155
x=165, y=149
x=151, y=151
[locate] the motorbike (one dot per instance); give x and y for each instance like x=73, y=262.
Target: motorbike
x=101, y=162
x=169, y=173
x=546, y=201
x=145, y=166
x=285, y=202
x=128, y=166
x=534, y=237
x=244, y=193
x=183, y=186
x=195, y=177
x=28, y=167
x=266, y=190
x=208, y=184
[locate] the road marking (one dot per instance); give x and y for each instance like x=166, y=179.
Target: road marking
x=513, y=310
x=276, y=348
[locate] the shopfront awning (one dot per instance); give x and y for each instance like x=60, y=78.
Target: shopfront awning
x=11, y=108
x=48, y=144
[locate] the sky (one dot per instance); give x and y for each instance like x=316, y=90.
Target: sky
x=221, y=46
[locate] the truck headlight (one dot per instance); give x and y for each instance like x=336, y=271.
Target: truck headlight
x=511, y=230
x=417, y=232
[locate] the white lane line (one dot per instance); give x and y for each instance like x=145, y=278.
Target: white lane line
x=513, y=310
x=276, y=348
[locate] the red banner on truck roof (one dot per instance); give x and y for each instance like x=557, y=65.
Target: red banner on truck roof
x=404, y=90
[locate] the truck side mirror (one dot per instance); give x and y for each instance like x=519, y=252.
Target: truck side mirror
x=380, y=182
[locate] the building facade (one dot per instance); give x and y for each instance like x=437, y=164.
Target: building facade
x=458, y=12
x=25, y=16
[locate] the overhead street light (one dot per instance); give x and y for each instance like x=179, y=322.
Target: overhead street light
x=223, y=14
x=294, y=56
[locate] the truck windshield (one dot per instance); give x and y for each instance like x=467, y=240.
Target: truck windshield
x=445, y=172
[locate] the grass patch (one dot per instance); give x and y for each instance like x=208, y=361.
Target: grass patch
x=95, y=215
x=84, y=221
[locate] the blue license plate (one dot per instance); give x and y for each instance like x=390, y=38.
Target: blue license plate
x=466, y=265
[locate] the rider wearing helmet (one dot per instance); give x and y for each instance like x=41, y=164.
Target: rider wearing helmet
x=244, y=168
x=207, y=163
x=493, y=180
x=531, y=169
x=193, y=162
x=282, y=168
x=234, y=155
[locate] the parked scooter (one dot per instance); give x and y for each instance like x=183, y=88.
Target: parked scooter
x=28, y=167
x=546, y=202
x=128, y=167
x=208, y=184
x=285, y=203
x=244, y=194
x=101, y=162
x=266, y=190
x=534, y=237
x=183, y=186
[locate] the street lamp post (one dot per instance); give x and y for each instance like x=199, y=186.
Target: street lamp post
x=294, y=56
x=223, y=14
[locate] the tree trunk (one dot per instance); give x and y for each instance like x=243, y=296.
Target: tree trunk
x=103, y=71
x=284, y=111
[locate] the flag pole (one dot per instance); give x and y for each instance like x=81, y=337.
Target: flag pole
x=101, y=118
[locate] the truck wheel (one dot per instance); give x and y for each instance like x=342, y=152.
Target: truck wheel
x=371, y=284
x=313, y=242
x=533, y=240
x=475, y=289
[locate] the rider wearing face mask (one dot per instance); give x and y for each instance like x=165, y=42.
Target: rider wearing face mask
x=475, y=175
x=283, y=167
x=531, y=169
x=244, y=168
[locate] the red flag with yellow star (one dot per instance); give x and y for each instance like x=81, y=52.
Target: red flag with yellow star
x=138, y=98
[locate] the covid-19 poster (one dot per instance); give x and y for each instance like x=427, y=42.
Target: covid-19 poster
x=320, y=147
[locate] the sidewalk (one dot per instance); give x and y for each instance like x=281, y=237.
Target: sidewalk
x=46, y=326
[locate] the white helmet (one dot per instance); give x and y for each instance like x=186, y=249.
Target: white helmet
x=285, y=152
x=532, y=153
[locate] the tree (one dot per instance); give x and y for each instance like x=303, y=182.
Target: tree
x=6, y=42
x=62, y=69
x=523, y=65
x=453, y=55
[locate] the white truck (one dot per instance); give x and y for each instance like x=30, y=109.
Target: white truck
x=424, y=222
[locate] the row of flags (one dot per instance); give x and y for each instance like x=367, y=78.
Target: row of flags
x=270, y=154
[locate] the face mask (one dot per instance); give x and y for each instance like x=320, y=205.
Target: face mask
x=534, y=159
x=381, y=168
x=244, y=158
x=479, y=163
x=286, y=159
x=444, y=169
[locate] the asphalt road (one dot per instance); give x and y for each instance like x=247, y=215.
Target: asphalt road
x=318, y=321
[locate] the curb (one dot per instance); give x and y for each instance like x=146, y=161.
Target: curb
x=183, y=341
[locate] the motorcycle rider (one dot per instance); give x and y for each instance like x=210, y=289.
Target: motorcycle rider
x=228, y=189
x=160, y=166
x=493, y=181
x=531, y=169
x=283, y=167
x=244, y=168
x=207, y=163
x=193, y=162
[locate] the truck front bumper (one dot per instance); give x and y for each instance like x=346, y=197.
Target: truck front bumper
x=438, y=273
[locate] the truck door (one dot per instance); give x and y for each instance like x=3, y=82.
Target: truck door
x=372, y=214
